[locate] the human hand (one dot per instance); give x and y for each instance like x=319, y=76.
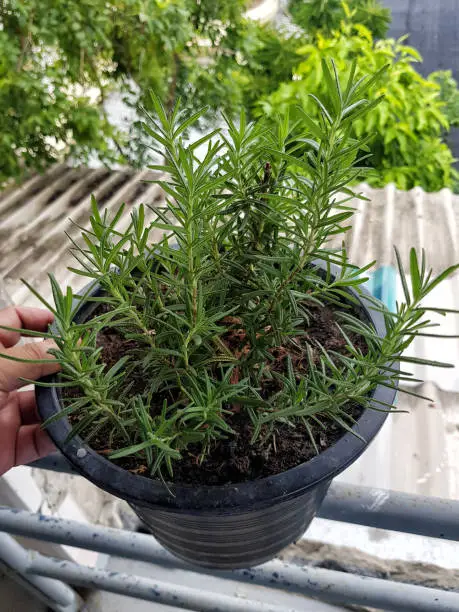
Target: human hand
x=21, y=438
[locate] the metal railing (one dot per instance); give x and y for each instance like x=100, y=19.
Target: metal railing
x=49, y=578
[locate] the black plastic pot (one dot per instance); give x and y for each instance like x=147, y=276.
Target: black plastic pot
x=231, y=526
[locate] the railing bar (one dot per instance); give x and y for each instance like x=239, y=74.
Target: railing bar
x=419, y=515
x=328, y=585
x=107, y=540
x=275, y=574
x=57, y=595
x=165, y=593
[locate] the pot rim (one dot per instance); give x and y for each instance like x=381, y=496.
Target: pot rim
x=250, y=494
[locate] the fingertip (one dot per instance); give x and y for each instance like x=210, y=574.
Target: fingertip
x=49, y=345
x=37, y=319
x=43, y=443
x=32, y=443
x=31, y=361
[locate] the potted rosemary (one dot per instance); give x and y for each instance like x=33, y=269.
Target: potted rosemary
x=220, y=378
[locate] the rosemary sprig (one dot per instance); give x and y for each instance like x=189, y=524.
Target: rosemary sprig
x=233, y=279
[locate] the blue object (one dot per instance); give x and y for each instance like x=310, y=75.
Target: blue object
x=382, y=284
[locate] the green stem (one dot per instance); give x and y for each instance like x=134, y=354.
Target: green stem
x=314, y=237
x=87, y=385
x=132, y=314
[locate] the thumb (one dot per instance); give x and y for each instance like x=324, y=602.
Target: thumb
x=18, y=362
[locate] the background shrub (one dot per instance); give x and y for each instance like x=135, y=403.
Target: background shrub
x=406, y=128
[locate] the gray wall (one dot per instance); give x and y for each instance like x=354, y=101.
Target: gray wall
x=433, y=26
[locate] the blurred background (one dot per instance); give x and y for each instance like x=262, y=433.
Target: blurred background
x=75, y=77
x=73, y=74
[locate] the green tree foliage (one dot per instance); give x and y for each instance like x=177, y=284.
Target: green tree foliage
x=251, y=61
x=449, y=94
x=59, y=60
x=327, y=15
x=405, y=130
x=45, y=70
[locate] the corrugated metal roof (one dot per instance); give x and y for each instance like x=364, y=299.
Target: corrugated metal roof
x=35, y=217
x=416, y=453
x=406, y=219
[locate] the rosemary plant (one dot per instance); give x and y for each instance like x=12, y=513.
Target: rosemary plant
x=217, y=314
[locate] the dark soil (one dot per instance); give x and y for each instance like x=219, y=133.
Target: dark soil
x=236, y=459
